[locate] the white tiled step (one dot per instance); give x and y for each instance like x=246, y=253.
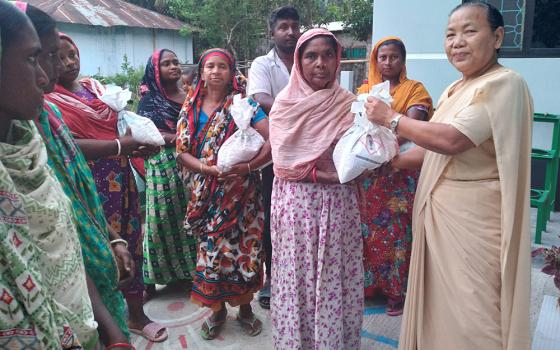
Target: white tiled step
x=547, y=333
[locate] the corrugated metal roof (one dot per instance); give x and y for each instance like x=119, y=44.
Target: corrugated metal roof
x=106, y=13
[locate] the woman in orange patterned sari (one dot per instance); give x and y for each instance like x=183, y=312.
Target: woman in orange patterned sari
x=225, y=211
x=387, y=211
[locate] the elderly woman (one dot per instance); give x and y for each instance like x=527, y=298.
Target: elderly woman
x=225, y=211
x=44, y=298
x=94, y=127
x=317, y=280
x=169, y=252
x=470, y=265
x=386, y=212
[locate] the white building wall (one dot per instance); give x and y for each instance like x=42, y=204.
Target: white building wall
x=421, y=25
x=102, y=49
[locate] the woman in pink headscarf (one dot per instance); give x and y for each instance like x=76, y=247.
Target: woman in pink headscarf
x=317, y=280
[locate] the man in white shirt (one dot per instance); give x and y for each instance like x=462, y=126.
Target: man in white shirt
x=268, y=75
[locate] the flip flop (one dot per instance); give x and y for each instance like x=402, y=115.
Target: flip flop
x=264, y=296
x=213, y=328
x=150, y=332
x=264, y=302
x=250, y=325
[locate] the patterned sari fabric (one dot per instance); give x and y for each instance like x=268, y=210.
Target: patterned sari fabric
x=169, y=252
x=34, y=200
x=386, y=222
x=74, y=174
x=117, y=189
x=88, y=117
x=29, y=317
x=226, y=217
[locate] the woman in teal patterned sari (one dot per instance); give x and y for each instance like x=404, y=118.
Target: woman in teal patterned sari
x=74, y=175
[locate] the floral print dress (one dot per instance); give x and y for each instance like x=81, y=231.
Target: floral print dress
x=317, y=280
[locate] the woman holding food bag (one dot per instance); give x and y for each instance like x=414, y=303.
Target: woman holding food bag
x=386, y=211
x=169, y=251
x=225, y=210
x=317, y=280
x=94, y=125
x=469, y=282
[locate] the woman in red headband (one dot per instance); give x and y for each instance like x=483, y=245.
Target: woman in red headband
x=225, y=211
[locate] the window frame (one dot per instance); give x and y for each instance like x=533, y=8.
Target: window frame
x=526, y=51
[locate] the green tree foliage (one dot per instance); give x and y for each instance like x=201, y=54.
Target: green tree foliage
x=357, y=16
x=241, y=25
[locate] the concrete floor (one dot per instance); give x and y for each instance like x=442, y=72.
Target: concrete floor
x=379, y=332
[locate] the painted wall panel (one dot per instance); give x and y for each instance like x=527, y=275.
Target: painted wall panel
x=102, y=49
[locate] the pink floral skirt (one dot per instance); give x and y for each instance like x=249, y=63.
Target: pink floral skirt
x=317, y=274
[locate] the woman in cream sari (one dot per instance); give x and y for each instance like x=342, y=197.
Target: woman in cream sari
x=469, y=276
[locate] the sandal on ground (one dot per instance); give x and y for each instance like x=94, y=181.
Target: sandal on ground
x=213, y=328
x=264, y=296
x=252, y=325
x=394, y=307
x=264, y=302
x=153, y=331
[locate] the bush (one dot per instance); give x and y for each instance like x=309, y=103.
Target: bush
x=129, y=77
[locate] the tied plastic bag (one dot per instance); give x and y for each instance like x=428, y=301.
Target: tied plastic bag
x=142, y=129
x=365, y=146
x=380, y=91
x=246, y=142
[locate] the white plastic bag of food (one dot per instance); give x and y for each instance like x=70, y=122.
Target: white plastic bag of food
x=142, y=129
x=115, y=97
x=365, y=146
x=246, y=142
